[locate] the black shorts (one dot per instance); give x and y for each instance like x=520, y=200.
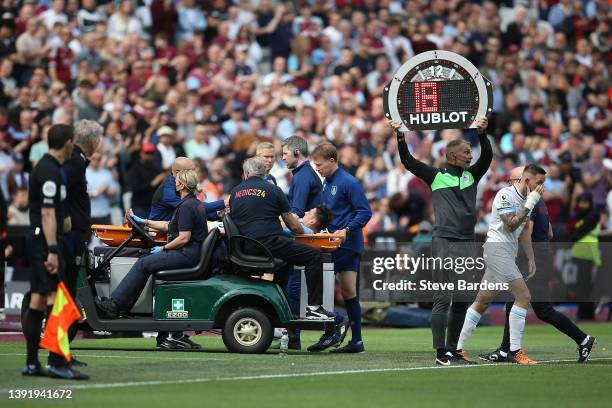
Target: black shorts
x=41, y=281
x=346, y=260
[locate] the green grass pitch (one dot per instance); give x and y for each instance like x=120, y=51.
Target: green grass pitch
x=396, y=370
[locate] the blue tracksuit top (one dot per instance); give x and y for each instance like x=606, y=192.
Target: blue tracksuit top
x=344, y=196
x=305, y=190
x=163, y=207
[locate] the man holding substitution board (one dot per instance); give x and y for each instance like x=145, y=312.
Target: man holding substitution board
x=429, y=87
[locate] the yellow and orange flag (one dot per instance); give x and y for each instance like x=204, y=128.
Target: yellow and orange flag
x=62, y=316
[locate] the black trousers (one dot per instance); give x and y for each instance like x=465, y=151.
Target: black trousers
x=542, y=307
x=584, y=288
x=295, y=253
x=448, y=314
x=547, y=313
x=74, y=248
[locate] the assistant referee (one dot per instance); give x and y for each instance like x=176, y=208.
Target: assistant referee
x=454, y=202
x=48, y=221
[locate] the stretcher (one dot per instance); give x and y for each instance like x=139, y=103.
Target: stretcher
x=115, y=235
x=325, y=242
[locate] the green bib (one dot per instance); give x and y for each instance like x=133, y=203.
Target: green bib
x=447, y=180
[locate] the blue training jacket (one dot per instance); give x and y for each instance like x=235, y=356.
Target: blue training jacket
x=162, y=210
x=344, y=196
x=305, y=190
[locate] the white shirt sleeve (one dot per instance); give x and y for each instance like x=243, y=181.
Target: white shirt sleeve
x=502, y=203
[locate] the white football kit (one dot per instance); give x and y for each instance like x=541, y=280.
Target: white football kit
x=501, y=246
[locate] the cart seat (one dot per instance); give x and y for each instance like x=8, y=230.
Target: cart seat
x=199, y=270
x=245, y=262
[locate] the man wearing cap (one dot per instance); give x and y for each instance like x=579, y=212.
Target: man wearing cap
x=144, y=177
x=165, y=147
x=235, y=124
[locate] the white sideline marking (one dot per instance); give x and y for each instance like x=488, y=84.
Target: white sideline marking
x=294, y=375
x=132, y=357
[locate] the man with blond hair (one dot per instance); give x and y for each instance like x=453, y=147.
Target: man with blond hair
x=265, y=151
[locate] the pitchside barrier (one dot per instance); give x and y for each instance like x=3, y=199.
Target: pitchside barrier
x=388, y=272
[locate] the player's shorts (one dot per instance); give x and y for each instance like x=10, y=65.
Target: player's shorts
x=346, y=260
x=500, y=264
x=41, y=281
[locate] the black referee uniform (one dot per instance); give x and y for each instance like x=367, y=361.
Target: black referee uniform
x=47, y=189
x=78, y=208
x=3, y=220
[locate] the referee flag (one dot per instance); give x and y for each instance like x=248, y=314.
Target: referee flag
x=62, y=316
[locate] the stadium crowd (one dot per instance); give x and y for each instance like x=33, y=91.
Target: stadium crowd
x=210, y=79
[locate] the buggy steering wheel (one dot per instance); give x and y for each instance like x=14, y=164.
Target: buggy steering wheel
x=138, y=230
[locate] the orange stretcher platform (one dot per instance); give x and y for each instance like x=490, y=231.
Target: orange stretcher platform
x=325, y=242
x=114, y=235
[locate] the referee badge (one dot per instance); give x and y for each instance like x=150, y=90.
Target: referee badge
x=334, y=190
x=49, y=189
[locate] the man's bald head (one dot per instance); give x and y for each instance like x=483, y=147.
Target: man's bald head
x=182, y=163
x=516, y=174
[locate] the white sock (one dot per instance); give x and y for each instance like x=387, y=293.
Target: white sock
x=472, y=318
x=517, y=326
x=586, y=339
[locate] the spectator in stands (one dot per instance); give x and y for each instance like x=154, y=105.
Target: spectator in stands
x=88, y=16
x=190, y=20
x=17, y=177
x=596, y=177
x=54, y=15
x=584, y=233
x=122, y=22
x=144, y=177
x=102, y=190
x=18, y=213
x=166, y=152
x=204, y=145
